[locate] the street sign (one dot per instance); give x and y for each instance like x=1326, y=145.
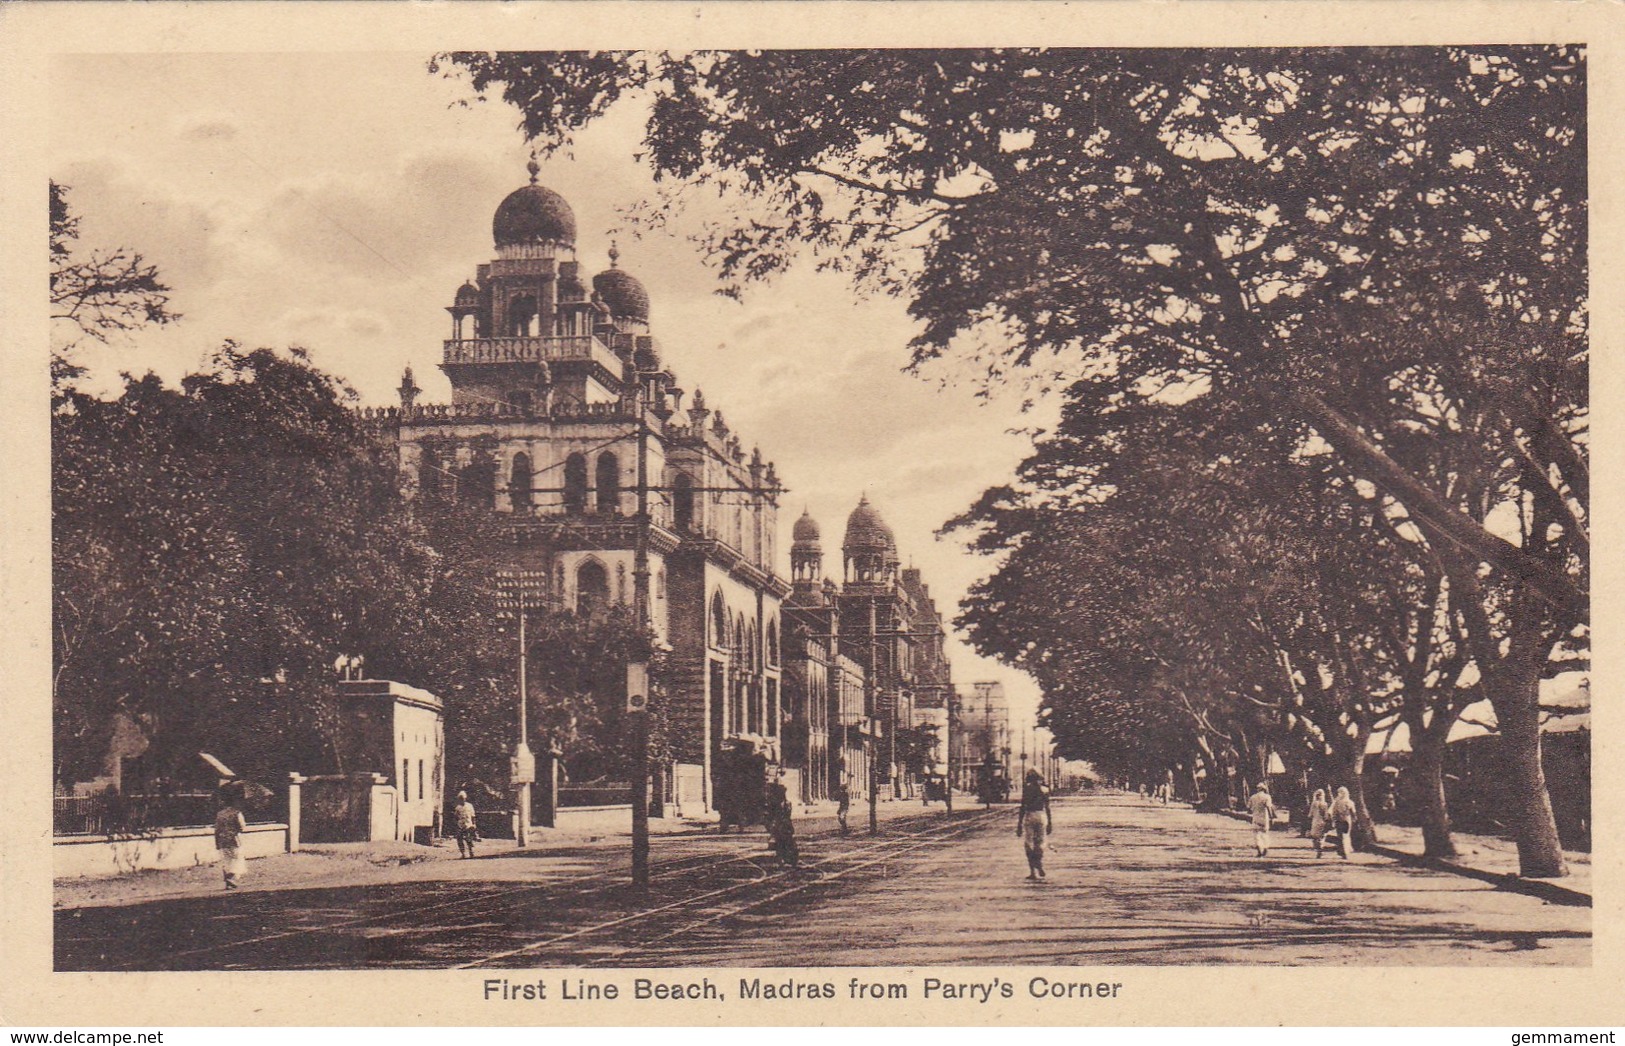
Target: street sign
x=637, y=687
x=522, y=766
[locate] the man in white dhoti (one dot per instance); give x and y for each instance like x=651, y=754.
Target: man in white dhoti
x=229, y=825
x=1262, y=809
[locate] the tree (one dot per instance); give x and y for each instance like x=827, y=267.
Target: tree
x=1288, y=242
x=97, y=295
x=217, y=548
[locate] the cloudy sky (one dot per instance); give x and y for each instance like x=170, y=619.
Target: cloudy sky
x=337, y=202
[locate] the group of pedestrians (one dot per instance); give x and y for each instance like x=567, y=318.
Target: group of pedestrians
x=1334, y=818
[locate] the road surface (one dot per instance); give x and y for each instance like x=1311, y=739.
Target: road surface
x=1130, y=882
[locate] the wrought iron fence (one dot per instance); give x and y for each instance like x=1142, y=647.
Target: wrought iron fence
x=110, y=813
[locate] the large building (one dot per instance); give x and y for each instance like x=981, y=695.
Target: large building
x=558, y=386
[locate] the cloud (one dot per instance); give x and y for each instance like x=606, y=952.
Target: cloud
x=207, y=129
x=179, y=235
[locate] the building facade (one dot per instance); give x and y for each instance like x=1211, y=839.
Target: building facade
x=558, y=392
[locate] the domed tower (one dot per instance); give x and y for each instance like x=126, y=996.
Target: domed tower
x=627, y=330
x=870, y=549
x=522, y=329
x=806, y=554
x=535, y=231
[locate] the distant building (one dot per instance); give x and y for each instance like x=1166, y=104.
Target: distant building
x=982, y=729
x=880, y=628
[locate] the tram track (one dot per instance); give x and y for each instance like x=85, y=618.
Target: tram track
x=845, y=863
x=496, y=901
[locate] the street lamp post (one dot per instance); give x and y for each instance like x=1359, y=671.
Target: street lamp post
x=519, y=591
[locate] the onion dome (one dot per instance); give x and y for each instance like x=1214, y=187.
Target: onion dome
x=533, y=214
x=866, y=530
x=622, y=291
x=468, y=294
x=805, y=535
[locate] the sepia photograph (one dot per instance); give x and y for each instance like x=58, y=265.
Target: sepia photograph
x=835, y=525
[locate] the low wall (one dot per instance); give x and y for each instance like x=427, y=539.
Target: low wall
x=95, y=855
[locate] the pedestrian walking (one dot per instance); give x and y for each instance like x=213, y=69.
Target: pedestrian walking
x=229, y=825
x=1262, y=809
x=468, y=832
x=1320, y=819
x=843, y=804
x=1343, y=821
x=1032, y=828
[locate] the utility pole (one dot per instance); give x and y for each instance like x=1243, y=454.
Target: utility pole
x=948, y=743
x=637, y=671
x=872, y=679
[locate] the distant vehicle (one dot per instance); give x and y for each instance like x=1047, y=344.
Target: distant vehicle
x=992, y=784
x=741, y=787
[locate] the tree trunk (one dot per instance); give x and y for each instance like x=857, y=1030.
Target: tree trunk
x=1427, y=784
x=1515, y=694
x=1365, y=831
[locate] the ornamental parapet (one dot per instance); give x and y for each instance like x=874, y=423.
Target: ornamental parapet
x=484, y=411
x=543, y=349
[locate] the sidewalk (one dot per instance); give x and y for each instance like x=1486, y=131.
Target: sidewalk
x=1486, y=858
x=1490, y=859
x=325, y=865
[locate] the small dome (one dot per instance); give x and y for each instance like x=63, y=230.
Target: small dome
x=533, y=214
x=623, y=294
x=865, y=529
x=805, y=533
x=468, y=294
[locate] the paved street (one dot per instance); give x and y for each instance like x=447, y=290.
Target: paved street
x=1130, y=882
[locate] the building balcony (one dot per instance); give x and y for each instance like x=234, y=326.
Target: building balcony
x=556, y=348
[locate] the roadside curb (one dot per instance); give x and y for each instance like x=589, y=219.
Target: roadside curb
x=1546, y=891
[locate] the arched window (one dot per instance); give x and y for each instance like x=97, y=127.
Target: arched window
x=429, y=473
x=519, y=482
x=575, y=483
x=719, y=622
x=682, y=501
x=592, y=587
x=477, y=482
x=609, y=483
x=522, y=316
